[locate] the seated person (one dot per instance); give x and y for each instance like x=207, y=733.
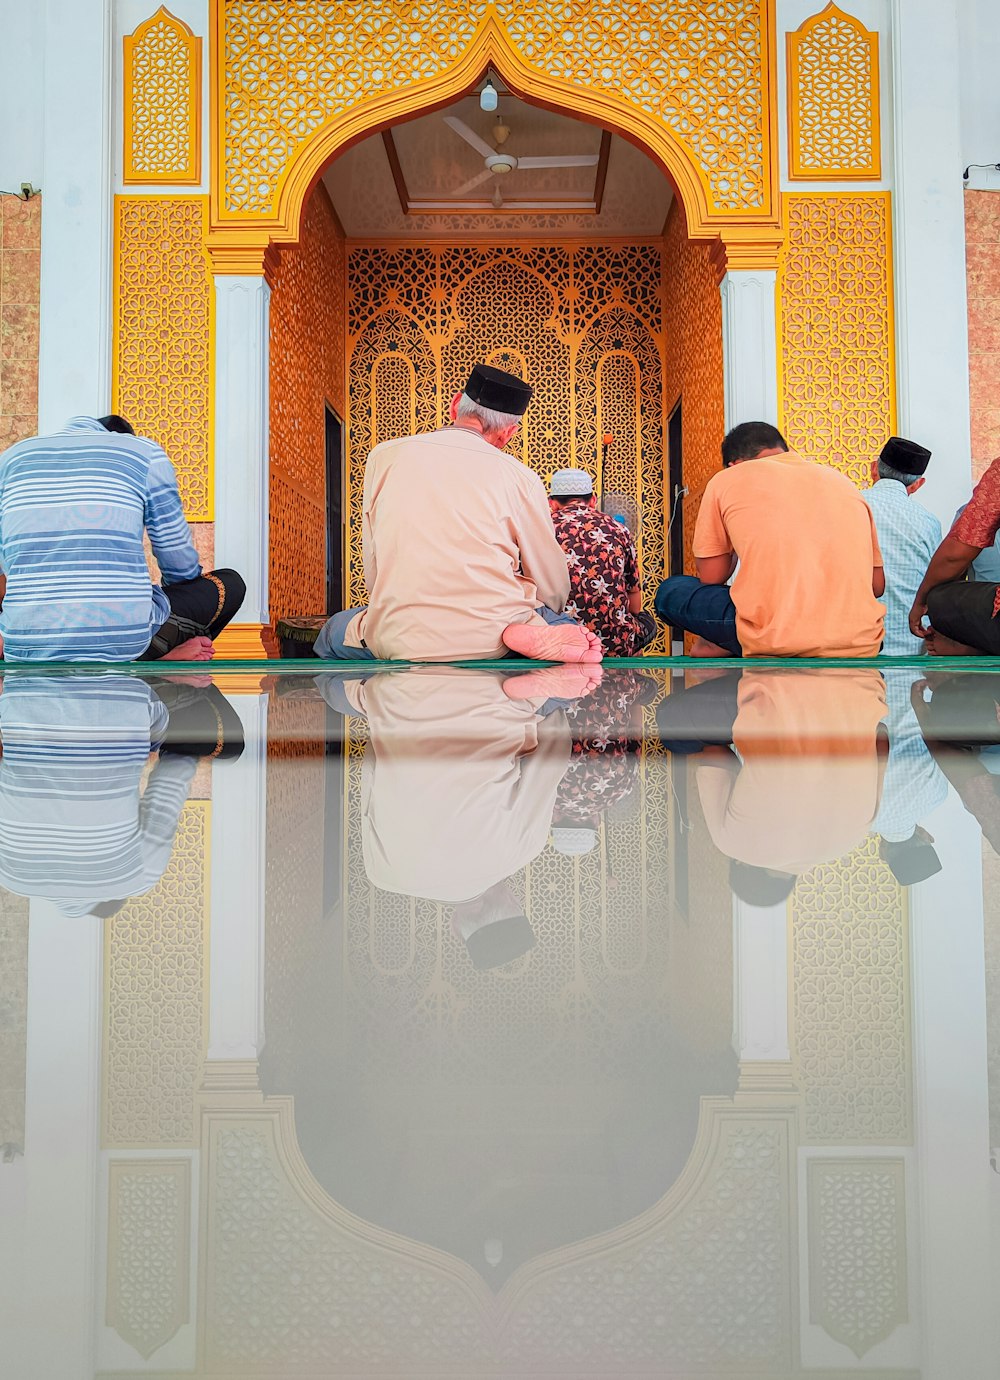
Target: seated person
x=809, y=561
x=73, y=508
x=907, y=534
x=460, y=558
x=963, y=613
x=604, y=591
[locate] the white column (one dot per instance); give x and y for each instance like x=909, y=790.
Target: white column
x=760, y=970
x=47, y=1312
x=750, y=346
x=951, y=1103
x=929, y=226
x=74, y=373
x=241, y=434
x=239, y=819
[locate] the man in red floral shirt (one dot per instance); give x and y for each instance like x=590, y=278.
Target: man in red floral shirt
x=603, y=566
x=964, y=614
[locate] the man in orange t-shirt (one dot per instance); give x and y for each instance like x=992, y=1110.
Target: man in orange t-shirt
x=809, y=565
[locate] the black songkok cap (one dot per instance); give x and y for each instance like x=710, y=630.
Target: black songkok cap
x=498, y=390
x=911, y=861
x=905, y=456
x=500, y=942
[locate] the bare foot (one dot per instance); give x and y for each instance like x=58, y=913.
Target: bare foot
x=565, y=682
x=939, y=645
x=194, y=649
x=702, y=647
x=553, y=642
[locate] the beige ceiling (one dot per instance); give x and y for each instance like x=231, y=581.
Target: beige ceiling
x=435, y=162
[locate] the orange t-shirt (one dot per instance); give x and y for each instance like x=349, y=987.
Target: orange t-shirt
x=806, y=543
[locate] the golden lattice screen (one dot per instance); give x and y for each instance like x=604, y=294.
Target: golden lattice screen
x=583, y=323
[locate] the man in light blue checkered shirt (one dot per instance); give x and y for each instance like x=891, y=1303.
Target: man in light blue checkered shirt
x=907, y=533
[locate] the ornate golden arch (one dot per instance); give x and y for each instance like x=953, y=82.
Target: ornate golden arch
x=238, y=242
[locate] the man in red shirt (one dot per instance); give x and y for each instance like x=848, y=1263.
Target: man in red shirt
x=603, y=566
x=963, y=613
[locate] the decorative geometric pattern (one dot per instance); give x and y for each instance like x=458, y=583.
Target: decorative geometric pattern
x=155, y=999
x=149, y=1236
x=584, y=326
x=307, y=373
x=697, y=1284
x=693, y=334
x=850, y=1002
x=857, y=1249
x=162, y=102
x=833, y=99
x=291, y=68
x=835, y=329
x=163, y=349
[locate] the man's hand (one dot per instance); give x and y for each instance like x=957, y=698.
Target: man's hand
x=917, y=615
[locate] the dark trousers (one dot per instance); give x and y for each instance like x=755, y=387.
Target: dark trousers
x=198, y=608
x=963, y=611
x=707, y=611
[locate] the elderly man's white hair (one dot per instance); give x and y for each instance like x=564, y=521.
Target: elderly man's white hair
x=491, y=421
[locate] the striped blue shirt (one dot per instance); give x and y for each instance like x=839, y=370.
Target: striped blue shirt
x=72, y=512
x=908, y=535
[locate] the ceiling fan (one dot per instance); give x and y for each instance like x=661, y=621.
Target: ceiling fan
x=498, y=162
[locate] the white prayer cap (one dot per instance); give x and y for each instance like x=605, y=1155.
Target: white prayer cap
x=574, y=842
x=565, y=483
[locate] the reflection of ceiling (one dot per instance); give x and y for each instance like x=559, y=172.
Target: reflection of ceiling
x=423, y=163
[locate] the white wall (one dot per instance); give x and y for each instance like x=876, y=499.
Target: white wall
x=979, y=40
x=22, y=76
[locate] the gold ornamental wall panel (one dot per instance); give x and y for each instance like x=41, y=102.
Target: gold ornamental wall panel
x=833, y=99
x=583, y=324
x=307, y=373
x=164, y=314
x=156, y=997
x=698, y=72
x=162, y=116
x=149, y=1250
x=836, y=357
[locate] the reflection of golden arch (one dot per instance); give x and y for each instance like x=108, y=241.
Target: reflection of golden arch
x=238, y=243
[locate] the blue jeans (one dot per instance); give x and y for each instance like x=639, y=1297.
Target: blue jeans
x=705, y=610
x=329, y=645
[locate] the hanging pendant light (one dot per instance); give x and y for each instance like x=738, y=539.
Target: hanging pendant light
x=488, y=97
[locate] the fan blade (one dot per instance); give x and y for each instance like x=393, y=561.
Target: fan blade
x=472, y=182
x=470, y=136
x=561, y=160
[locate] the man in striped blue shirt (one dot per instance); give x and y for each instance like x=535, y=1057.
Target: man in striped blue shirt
x=73, y=509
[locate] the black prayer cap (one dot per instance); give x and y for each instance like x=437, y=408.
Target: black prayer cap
x=500, y=942
x=498, y=390
x=905, y=456
x=911, y=860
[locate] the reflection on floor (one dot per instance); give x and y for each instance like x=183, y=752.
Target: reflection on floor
x=450, y=1021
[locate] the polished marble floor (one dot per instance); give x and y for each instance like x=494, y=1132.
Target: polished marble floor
x=458, y=1022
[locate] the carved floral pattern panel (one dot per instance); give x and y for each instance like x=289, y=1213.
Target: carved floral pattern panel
x=155, y=1018
x=289, y=69
x=307, y=373
x=835, y=329
x=833, y=99
x=149, y=1248
x=163, y=353
x=850, y=1002
x=162, y=102
x=582, y=323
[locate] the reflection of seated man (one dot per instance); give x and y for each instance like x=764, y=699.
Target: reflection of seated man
x=914, y=787
x=73, y=510
x=603, y=769
x=75, y=825
x=460, y=558
x=806, y=783
x=809, y=561
x=458, y=787
x=959, y=716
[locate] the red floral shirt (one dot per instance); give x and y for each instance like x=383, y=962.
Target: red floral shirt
x=603, y=569
x=979, y=523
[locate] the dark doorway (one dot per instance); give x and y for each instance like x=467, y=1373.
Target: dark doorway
x=677, y=491
x=334, y=512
